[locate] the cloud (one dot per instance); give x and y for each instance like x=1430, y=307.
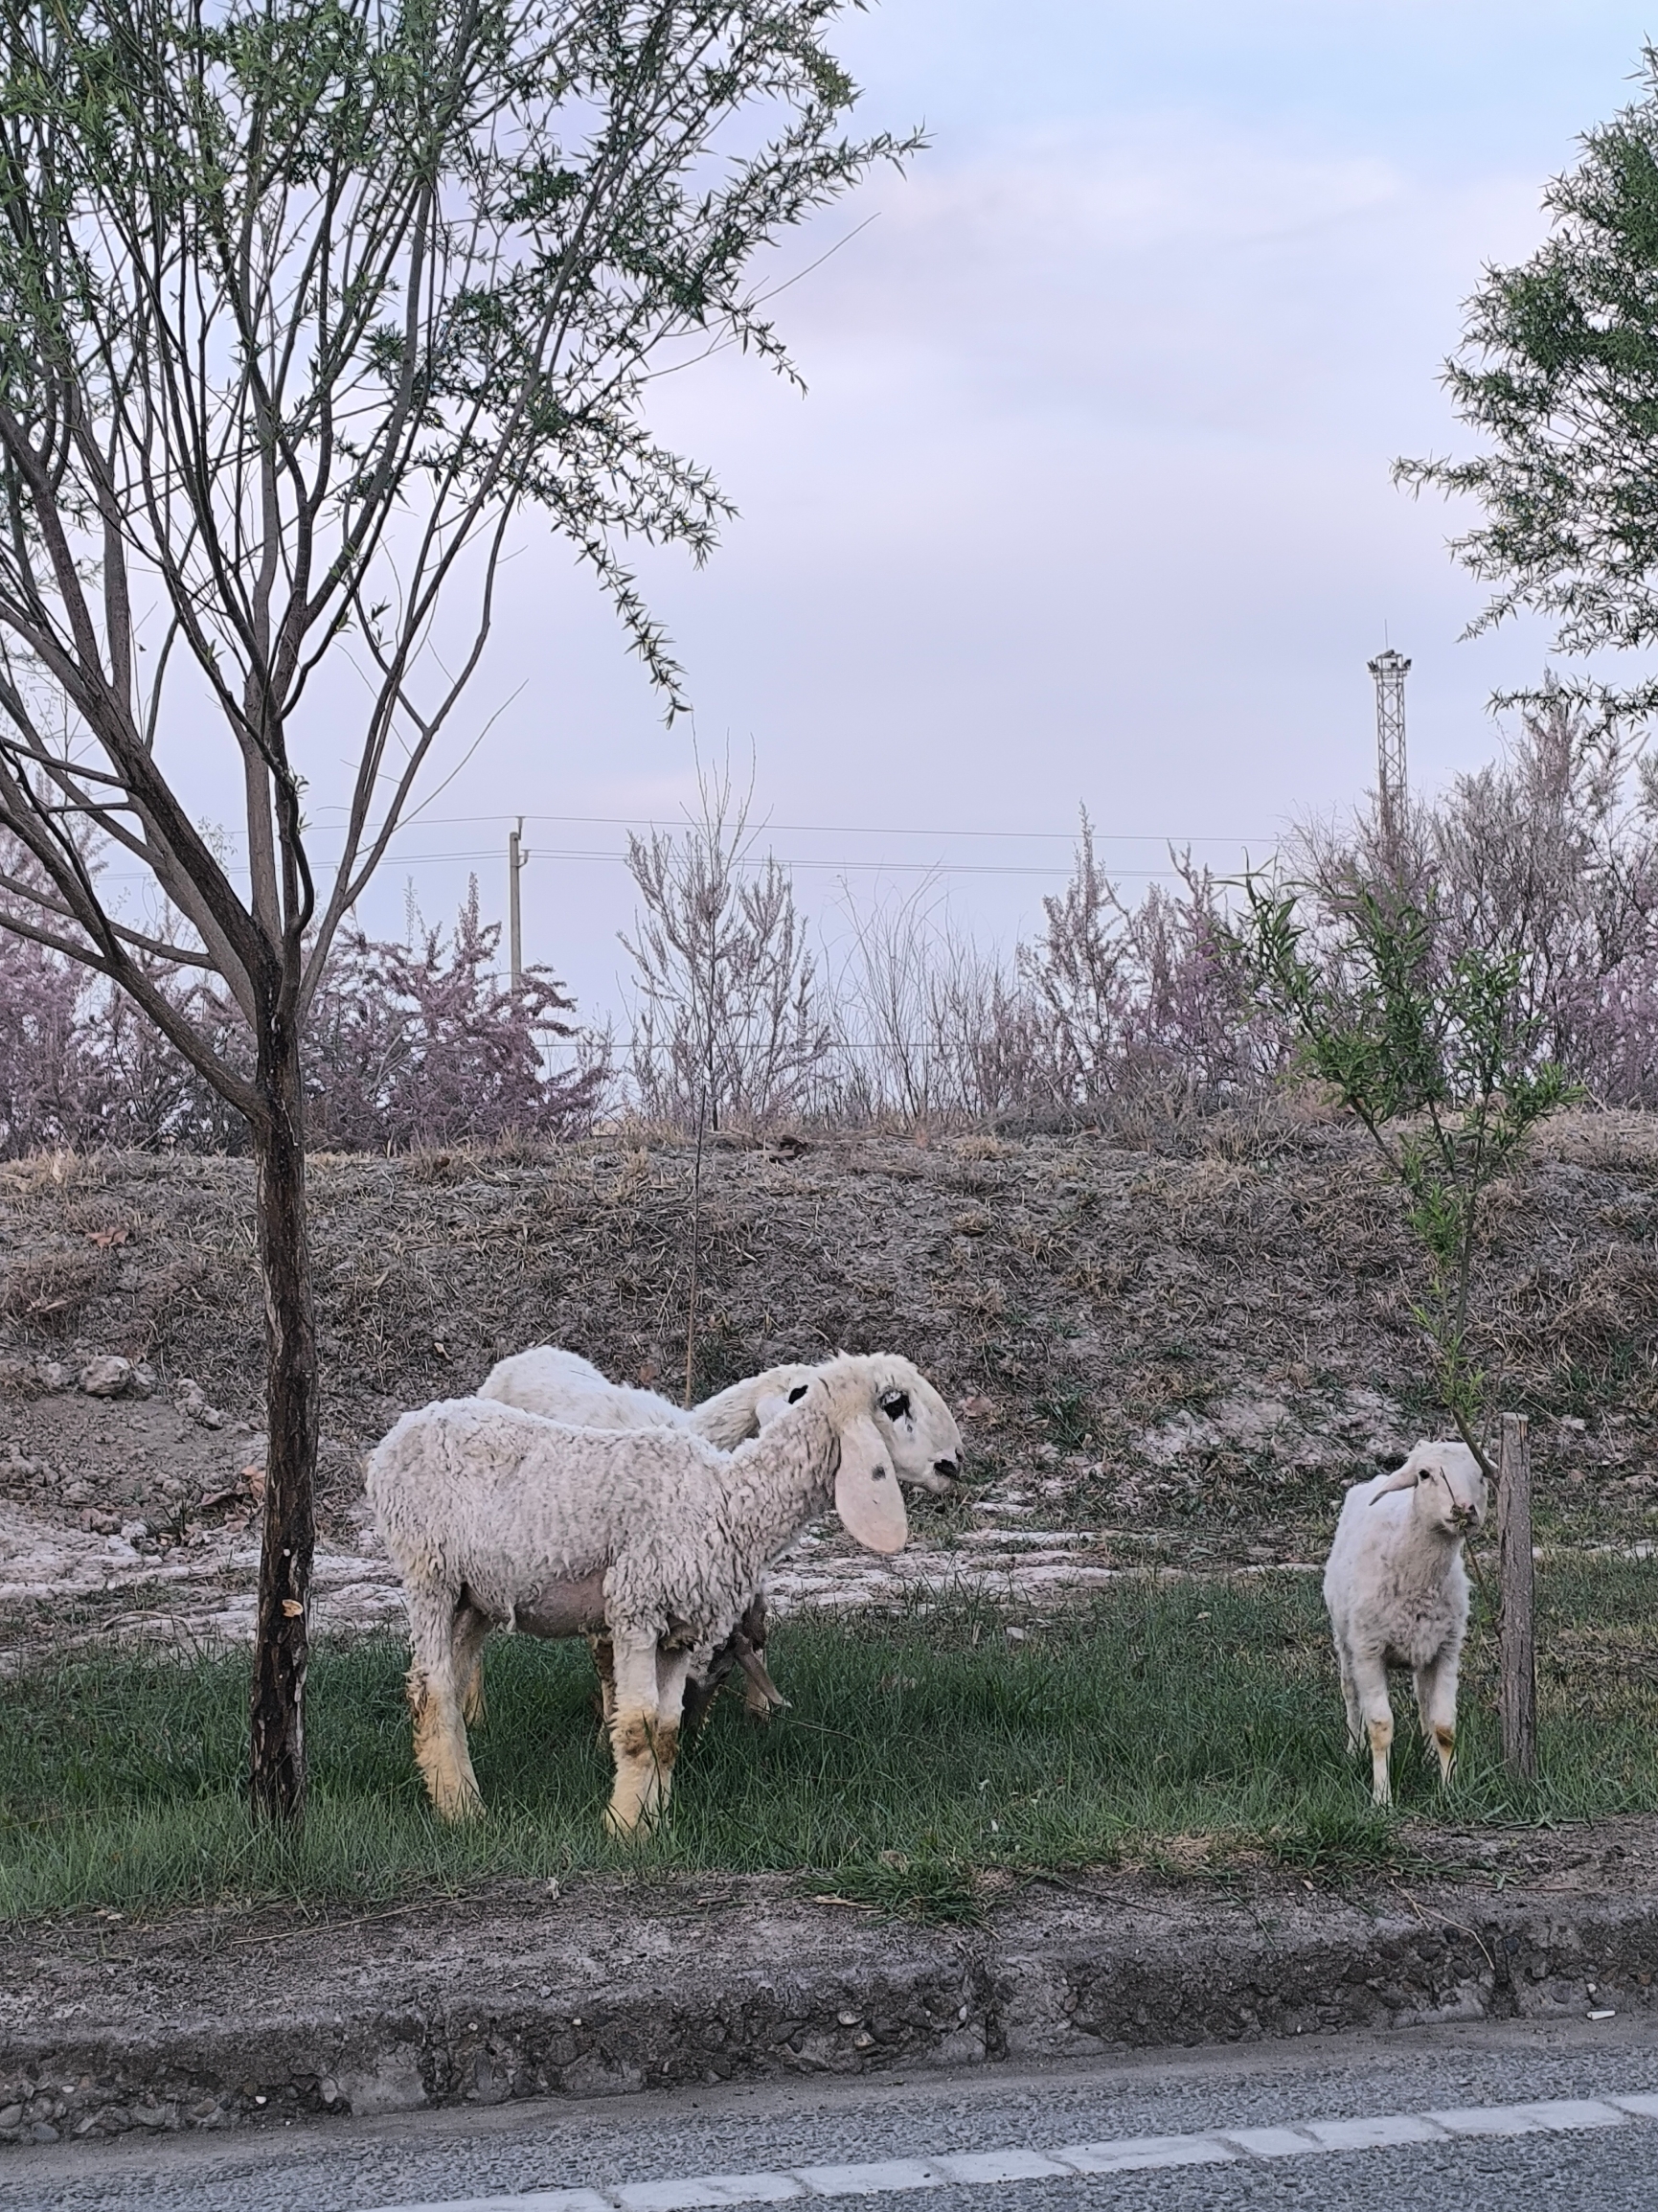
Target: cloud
x=1090, y=497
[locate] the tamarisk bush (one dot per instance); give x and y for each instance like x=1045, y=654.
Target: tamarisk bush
x=408, y=1045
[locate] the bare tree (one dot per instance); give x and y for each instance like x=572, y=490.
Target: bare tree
x=885, y=1003
x=302, y=303
x=1077, y=970
x=727, y=1019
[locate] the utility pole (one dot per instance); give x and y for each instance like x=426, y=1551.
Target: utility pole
x=1390, y=670
x=515, y=860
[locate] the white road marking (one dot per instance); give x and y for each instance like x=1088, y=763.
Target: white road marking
x=1490, y=2120
x=1129, y=2153
x=1135, y=2152
x=1576, y=2112
x=1375, y=2134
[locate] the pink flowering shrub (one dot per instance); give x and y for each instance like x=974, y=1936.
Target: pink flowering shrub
x=409, y=1045
x=424, y=1044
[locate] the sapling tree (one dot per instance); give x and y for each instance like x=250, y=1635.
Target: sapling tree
x=1436, y=1059
x=310, y=313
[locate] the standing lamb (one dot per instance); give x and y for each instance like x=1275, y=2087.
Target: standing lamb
x=1399, y=1597
x=561, y=1386
x=496, y=1517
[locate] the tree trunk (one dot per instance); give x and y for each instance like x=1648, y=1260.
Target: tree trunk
x=278, y=1770
x=1518, y=1657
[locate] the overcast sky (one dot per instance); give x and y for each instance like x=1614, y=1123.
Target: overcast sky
x=1089, y=498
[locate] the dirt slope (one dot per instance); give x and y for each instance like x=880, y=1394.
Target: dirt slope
x=1188, y=1352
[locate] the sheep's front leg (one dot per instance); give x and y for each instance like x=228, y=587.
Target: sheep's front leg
x=440, y=1733
x=760, y=1693
x=1437, y=1707
x=644, y=1731
x=1369, y=1683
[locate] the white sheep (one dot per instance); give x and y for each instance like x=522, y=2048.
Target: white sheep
x=562, y=1385
x=497, y=1517
x=1399, y=1596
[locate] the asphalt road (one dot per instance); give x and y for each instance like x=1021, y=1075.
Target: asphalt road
x=611, y=2145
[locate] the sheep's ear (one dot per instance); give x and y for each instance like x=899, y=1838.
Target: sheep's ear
x=1404, y=1477
x=767, y=1409
x=866, y=1493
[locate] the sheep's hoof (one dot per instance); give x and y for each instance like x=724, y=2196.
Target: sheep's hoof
x=457, y=1810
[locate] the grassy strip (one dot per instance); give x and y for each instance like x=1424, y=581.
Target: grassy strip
x=1166, y=1721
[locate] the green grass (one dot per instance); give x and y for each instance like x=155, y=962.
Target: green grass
x=1167, y=1722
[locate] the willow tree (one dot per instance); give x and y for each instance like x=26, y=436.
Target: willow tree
x=310, y=312
x=1557, y=374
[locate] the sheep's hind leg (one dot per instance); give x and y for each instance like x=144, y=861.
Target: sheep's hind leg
x=644, y=1731
x=673, y=1672
x=1350, y=1700
x=472, y=1628
x=1437, y=1708
x=604, y=1654
x=700, y=1692
x=440, y=1733
x=1370, y=1683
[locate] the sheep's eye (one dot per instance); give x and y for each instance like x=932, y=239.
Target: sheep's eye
x=895, y=1405
x=796, y=1393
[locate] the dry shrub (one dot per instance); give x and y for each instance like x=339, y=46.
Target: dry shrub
x=58, y=1170
x=49, y=1290
x=1611, y=1303
x=979, y=1147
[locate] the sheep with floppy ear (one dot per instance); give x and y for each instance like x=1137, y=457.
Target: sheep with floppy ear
x=561, y=1386
x=1397, y=1596
x=496, y=1517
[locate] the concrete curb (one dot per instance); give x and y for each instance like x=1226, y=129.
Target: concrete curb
x=609, y=1988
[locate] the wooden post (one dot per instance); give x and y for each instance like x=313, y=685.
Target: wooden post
x=1518, y=1651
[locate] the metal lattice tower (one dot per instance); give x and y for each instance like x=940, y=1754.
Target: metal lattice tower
x=1390, y=670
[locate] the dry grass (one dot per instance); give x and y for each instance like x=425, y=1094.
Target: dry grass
x=1083, y=1292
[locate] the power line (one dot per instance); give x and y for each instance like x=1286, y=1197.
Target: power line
x=821, y=829
x=867, y=867
x=395, y=860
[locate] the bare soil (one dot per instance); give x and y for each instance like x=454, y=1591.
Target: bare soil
x=1165, y=1346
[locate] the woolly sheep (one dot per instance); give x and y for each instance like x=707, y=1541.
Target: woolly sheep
x=1399, y=1596
x=495, y=1516
x=561, y=1386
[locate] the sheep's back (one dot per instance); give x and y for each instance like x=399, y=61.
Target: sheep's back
x=562, y=1386
x=477, y=1493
